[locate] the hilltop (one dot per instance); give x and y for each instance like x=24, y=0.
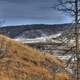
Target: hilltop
x=24, y=63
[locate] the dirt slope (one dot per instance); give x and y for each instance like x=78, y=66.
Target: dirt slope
x=19, y=62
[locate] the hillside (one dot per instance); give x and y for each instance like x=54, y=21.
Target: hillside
x=19, y=62
x=35, y=30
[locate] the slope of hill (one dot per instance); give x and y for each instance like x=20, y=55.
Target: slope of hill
x=36, y=30
x=19, y=62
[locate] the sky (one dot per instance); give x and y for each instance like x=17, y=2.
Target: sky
x=21, y=12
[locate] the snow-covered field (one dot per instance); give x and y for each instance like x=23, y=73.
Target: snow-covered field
x=50, y=38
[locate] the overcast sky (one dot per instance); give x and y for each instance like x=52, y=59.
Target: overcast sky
x=15, y=12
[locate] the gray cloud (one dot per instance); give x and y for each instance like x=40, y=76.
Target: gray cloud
x=29, y=9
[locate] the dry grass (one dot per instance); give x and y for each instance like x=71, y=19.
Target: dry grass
x=19, y=62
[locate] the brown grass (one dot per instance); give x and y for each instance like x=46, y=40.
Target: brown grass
x=20, y=62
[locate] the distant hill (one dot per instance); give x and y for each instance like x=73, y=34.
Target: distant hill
x=13, y=31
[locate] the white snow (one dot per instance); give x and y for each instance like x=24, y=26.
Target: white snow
x=39, y=39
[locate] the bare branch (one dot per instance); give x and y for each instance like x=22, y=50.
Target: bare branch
x=65, y=9
x=69, y=2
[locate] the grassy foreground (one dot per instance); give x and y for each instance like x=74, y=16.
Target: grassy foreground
x=19, y=62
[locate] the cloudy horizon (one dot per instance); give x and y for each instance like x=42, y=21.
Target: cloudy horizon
x=17, y=12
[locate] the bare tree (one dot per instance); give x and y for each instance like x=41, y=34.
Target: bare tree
x=72, y=8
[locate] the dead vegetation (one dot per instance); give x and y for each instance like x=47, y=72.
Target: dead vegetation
x=19, y=62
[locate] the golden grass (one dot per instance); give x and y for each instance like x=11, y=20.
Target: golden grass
x=19, y=61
